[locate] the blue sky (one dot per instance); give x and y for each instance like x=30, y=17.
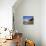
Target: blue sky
x=27, y=17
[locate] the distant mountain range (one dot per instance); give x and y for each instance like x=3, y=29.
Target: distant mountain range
x=28, y=21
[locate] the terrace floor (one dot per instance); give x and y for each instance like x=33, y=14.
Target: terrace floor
x=8, y=43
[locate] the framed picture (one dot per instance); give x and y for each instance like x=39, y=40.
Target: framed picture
x=28, y=20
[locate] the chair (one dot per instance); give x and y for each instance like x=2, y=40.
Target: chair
x=29, y=43
x=18, y=39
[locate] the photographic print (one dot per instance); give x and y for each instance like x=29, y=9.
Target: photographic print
x=28, y=20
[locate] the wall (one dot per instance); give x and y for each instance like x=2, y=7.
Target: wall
x=29, y=8
x=43, y=22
